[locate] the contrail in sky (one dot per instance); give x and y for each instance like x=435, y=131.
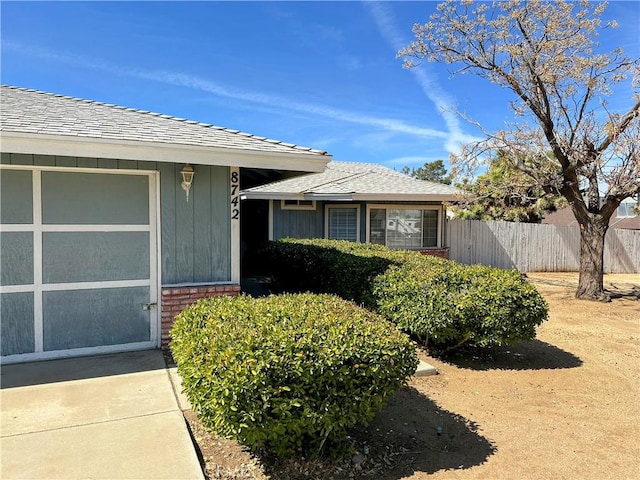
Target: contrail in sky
x=201, y=84
x=443, y=102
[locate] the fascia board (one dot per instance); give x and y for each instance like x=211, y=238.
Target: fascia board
x=271, y=196
x=41, y=144
x=296, y=196
x=330, y=197
x=406, y=197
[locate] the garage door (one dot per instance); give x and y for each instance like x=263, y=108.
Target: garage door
x=78, y=268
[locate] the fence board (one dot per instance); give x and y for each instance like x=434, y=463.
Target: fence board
x=531, y=247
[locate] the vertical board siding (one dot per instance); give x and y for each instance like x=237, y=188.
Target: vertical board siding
x=531, y=247
x=195, y=235
x=298, y=223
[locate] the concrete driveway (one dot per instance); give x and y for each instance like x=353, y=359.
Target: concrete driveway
x=112, y=416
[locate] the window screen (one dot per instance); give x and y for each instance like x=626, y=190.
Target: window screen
x=343, y=224
x=429, y=228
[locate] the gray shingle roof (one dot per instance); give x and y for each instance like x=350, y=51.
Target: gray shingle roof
x=351, y=180
x=31, y=111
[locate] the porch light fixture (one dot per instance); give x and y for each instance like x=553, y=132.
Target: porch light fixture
x=187, y=178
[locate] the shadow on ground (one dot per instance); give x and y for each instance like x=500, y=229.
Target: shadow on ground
x=530, y=355
x=79, y=368
x=412, y=434
x=623, y=290
x=630, y=291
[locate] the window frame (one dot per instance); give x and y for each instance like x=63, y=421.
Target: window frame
x=329, y=206
x=405, y=206
x=297, y=206
x=629, y=209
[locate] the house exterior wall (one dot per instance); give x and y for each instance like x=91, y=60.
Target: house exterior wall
x=195, y=235
x=297, y=223
x=311, y=223
x=174, y=300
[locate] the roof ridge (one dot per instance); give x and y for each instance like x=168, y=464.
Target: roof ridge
x=380, y=169
x=167, y=117
x=389, y=172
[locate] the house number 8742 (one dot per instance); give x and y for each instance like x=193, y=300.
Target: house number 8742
x=235, y=195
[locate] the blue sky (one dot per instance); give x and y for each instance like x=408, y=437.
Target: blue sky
x=319, y=74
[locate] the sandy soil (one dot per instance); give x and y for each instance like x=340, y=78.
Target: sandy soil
x=566, y=405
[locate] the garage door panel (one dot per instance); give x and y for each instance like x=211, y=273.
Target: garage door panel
x=95, y=256
x=96, y=317
x=16, y=311
x=16, y=258
x=78, y=262
x=16, y=198
x=88, y=198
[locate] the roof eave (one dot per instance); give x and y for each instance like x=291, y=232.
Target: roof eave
x=351, y=197
x=406, y=197
x=333, y=197
x=78, y=146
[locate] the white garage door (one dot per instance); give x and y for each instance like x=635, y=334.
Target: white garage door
x=78, y=262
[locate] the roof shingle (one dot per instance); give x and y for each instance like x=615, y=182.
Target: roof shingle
x=32, y=111
x=357, y=180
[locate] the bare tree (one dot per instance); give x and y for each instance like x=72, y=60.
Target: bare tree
x=547, y=54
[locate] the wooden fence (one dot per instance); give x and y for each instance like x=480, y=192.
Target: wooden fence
x=531, y=247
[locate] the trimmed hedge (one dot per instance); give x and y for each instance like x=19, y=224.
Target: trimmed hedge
x=448, y=305
x=346, y=269
x=288, y=373
x=443, y=303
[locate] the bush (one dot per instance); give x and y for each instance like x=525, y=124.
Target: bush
x=288, y=373
x=451, y=304
x=442, y=302
x=346, y=269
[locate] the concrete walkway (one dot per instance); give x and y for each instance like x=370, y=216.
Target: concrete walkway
x=112, y=417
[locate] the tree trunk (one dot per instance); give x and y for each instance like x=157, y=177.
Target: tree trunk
x=590, y=282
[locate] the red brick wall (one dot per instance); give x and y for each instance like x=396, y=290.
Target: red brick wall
x=436, y=252
x=175, y=299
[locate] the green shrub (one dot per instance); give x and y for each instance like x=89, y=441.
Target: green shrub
x=440, y=301
x=288, y=373
x=450, y=304
x=339, y=267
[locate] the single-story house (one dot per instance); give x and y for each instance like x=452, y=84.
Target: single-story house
x=360, y=202
x=113, y=219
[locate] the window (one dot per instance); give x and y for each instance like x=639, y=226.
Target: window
x=403, y=227
x=626, y=209
x=297, y=204
x=343, y=222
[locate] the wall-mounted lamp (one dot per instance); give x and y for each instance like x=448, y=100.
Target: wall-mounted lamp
x=187, y=178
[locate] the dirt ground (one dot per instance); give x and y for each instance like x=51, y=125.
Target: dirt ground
x=566, y=405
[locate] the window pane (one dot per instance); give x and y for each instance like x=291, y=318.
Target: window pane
x=404, y=228
x=625, y=210
x=430, y=228
x=377, y=221
x=343, y=224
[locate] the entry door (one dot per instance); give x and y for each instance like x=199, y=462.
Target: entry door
x=78, y=262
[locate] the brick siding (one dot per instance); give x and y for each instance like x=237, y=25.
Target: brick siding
x=436, y=252
x=175, y=299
